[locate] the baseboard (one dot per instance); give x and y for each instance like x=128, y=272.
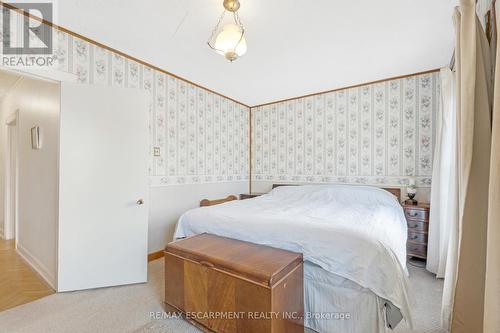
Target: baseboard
x=45, y=273
x=37, y=266
x=155, y=255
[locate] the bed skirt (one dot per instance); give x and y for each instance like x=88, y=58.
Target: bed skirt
x=335, y=304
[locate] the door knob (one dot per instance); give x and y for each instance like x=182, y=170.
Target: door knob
x=140, y=201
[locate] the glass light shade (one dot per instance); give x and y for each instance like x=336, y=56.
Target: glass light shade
x=228, y=42
x=412, y=189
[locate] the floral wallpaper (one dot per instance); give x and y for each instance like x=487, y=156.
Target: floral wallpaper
x=202, y=137
x=376, y=134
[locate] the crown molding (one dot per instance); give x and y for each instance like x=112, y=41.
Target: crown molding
x=348, y=87
x=125, y=55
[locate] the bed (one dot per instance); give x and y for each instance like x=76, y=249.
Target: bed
x=353, y=239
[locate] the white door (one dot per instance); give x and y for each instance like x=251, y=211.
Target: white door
x=103, y=190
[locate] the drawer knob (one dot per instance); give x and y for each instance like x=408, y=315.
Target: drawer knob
x=413, y=226
x=412, y=214
x=414, y=237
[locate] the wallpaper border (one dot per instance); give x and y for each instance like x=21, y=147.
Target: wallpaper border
x=361, y=180
x=157, y=181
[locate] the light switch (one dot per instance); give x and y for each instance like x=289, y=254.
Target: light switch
x=156, y=151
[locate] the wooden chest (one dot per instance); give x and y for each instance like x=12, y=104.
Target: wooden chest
x=225, y=285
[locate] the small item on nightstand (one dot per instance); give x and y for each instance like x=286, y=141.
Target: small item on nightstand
x=411, y=191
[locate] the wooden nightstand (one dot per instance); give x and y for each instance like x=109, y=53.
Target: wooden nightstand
x=244, y=196
x=417, y=218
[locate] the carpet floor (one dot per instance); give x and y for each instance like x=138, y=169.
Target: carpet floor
x=134, y=309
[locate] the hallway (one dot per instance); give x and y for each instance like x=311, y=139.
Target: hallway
x=19, y=284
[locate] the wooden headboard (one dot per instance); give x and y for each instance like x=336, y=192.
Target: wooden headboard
x=206, y=202
x=394, y=190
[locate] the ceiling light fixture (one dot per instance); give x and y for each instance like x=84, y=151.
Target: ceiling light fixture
x=229, y=40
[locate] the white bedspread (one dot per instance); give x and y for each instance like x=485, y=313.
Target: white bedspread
x=357, y=232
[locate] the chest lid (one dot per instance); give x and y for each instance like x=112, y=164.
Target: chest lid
x=259, y=263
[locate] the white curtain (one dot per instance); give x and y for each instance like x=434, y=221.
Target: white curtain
x=444, y=191
x=492, y=282
x=465, y=285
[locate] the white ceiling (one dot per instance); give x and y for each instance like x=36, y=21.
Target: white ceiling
x=295, y=47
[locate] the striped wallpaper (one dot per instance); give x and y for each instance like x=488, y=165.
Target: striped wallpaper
x=375, y=134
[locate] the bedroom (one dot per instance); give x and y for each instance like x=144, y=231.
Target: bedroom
x=381, y=119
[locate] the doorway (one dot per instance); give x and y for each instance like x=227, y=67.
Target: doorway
x=76, y=144
x=11, y=178
x=19, y=281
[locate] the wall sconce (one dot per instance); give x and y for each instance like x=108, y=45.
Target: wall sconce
x=36, y=141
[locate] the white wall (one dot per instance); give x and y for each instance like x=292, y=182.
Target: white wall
x=169, y=202
x=38, y=105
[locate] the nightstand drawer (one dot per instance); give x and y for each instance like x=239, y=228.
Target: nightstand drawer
x=417, y=237
x=417, y=214
x=418, y=250
x=417, y=226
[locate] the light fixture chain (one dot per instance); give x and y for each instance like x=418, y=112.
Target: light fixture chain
x=238, y=22
x=216, y=28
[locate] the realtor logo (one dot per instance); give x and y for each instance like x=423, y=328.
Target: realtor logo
x=27, y=41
